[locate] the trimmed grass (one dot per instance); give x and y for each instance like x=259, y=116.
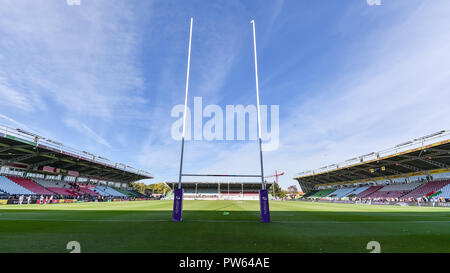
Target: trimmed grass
x=146, y=226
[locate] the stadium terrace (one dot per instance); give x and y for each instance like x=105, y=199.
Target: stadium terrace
x=414, y=171
x=34, y=165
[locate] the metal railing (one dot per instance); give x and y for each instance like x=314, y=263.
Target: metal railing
x=403, y=147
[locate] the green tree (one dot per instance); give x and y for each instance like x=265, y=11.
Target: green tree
x=139, y=187
x=157, y=188
x=279, y=192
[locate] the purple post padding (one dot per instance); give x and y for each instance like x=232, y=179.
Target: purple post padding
x=264, y=206
x=177, y=215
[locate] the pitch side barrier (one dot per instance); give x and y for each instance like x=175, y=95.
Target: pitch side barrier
x=15, y=201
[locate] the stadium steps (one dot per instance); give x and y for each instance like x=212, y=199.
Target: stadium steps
x=308, y=194
x=368, y=192
x=445, y=192
x=10, y=187
x=427, y=188
x=110, y=191
x=126, y=192
x=138, y=194
x=323, y=193
x=356, y=191
x=30, y=185
x=339, y=193
x=113, y=192
x=395, y=190
x=99, y=191
x=85, y=190
x=63, y=191
x=52, y=184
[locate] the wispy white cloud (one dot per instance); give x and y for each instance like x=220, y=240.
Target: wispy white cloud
x=401, y=93
x=81, y=58
x=12, y=122
x=10, y=96
x=86, y=131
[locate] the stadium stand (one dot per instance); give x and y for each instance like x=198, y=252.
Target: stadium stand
x=110, y=191
x=368, y=192
x=322, y=193
x=59, y=187
x=441, y=176
x=341, y=193
x=308, y=194
x=394, y=190
x=401, y=187
x=84, y=189
x=356, y=191
x=63, y=191
x=10, y=187
x=99, y=191
x=445, y=192
x=408, y=163
x=125, y=192
x=427, y=189
x=138, y=194
x=106, y=191
x=30, y=185
x=52, y=184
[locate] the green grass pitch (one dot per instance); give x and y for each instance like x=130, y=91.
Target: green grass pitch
x=146, y=226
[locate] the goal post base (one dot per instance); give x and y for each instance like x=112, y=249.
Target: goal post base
x=177, y=214
x=264, y=206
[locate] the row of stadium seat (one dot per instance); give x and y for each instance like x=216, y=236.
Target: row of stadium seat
x=387, y=194
x=52, y=184
x=407, y=190
x=62, y=191
x=10, y=187
x=106, y=191
x=368, y=192
x=445, y=192
x=30, y=185
x=401, y=187
x=357, y=191
x=427, y=188
x=18, y=185
x=84, y=189
x=323, y=193
x=340, y=193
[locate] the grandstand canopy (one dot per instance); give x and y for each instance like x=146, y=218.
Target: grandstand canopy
x=24, y=150
x=419, y=155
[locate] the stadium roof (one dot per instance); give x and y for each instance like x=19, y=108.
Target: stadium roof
x=22, y=149
x=418, y=155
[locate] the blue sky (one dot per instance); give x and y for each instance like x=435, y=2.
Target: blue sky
x=349, y=78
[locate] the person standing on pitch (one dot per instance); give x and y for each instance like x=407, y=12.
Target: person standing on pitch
x=28, y=199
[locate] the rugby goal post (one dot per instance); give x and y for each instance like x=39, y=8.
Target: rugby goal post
x=177, y=214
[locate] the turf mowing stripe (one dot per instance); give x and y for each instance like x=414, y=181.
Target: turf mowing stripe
x=225, y=221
